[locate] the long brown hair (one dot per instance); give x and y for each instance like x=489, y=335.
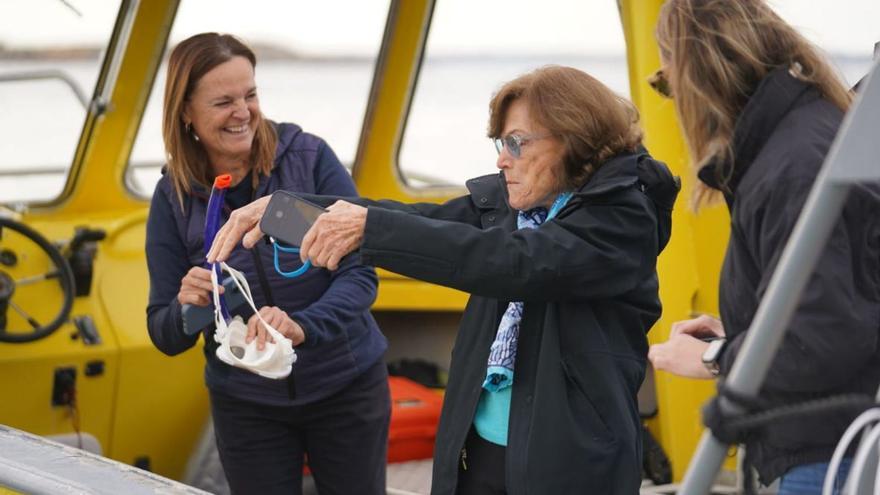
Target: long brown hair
x=717, y=52
x=592, y=122
x=187, y=160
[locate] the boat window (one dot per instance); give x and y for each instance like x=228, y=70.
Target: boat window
x=314, y=68
x=473, y=48
x=50, y=56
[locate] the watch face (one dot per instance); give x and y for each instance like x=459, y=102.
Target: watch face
x=710, y=355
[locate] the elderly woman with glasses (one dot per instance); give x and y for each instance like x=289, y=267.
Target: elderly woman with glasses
x=558, y=252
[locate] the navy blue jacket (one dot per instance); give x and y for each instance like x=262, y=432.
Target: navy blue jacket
x=342, y=338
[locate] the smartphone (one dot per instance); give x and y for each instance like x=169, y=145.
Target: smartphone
x=197, y=318
x=288, y=217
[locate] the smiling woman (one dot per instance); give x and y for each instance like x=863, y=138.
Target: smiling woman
x=223, y=113
x=212, y=123
x=264, y=427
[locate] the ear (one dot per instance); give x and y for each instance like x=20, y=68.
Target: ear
x=185, y=115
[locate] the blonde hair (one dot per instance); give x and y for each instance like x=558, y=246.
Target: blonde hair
x=717, y=52
x=187, y=160
x=592, y=122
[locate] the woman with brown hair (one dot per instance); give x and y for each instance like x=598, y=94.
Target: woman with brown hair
x=558, y=253
x=760, y=107
x=335, y=405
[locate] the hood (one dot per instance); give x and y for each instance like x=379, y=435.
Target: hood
x=287, y=133
x=651, y=176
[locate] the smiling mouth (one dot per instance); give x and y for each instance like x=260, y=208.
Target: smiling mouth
x=241, y=129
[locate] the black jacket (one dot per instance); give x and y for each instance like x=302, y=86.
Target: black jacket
x=831, y=345
x=589, y=284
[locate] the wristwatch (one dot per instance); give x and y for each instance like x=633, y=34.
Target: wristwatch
x=712, y=354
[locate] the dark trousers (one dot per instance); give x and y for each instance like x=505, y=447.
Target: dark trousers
x=481, y=467
x=345, y=437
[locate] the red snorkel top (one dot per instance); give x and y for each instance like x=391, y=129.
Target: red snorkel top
x=222, y=181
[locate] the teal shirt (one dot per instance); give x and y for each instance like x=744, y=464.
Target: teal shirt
x=493, y=412
x=493, y=409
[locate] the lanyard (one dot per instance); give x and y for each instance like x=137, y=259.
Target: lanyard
x=296, y=273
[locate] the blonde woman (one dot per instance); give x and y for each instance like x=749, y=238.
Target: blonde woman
x=759, y=107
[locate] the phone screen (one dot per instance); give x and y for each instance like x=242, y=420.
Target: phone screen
x=287, y=218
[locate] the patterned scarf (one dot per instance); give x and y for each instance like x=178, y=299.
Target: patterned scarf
x=502, y=354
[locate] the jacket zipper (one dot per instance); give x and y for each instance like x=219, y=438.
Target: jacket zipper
x=464, y=458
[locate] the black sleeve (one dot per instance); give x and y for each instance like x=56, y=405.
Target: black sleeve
x=595, y=251
x=167, y=263
x=827, y=341
x=460, y=209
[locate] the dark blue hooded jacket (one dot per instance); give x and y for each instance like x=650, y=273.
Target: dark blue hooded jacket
x=342, y=338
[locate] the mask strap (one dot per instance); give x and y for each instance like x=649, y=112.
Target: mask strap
x=245, y=289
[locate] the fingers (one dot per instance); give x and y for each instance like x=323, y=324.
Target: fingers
x=196, y=287
x=241, y=221
x=680, y=355
x=195, y=298
x=197, y=278
x=308, y=242
x=702, y=326
x=333, y=260
x=273, y=316
x=252, y=237
x=682, y=326
x=256, y=331
x=713, y=324
x=334, y=235
x=219, y=250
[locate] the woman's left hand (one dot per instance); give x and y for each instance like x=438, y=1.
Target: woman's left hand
x=681, y=355
x=279, y=320
x=334, y=234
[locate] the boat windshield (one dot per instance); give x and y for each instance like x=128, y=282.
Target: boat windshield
x=314, y=68
x=50, y=56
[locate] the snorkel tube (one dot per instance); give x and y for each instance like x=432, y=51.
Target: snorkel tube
x=212, y=225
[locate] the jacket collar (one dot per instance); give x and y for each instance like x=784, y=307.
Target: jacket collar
x=776, y=95
x=619, y=172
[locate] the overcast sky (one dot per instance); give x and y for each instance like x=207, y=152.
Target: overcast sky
x=848, y=27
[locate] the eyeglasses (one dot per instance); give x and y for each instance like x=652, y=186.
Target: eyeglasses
x=660, y=84
x=515, y=142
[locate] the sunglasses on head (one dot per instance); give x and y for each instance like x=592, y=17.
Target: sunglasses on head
x=658, y=81
x=515, y=142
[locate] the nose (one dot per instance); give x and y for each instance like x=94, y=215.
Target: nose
x=504, y=160
x=241, y=109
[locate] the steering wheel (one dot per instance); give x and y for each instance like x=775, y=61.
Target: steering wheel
x=61, y=273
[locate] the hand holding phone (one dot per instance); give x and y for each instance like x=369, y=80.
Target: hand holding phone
x=288, y=217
